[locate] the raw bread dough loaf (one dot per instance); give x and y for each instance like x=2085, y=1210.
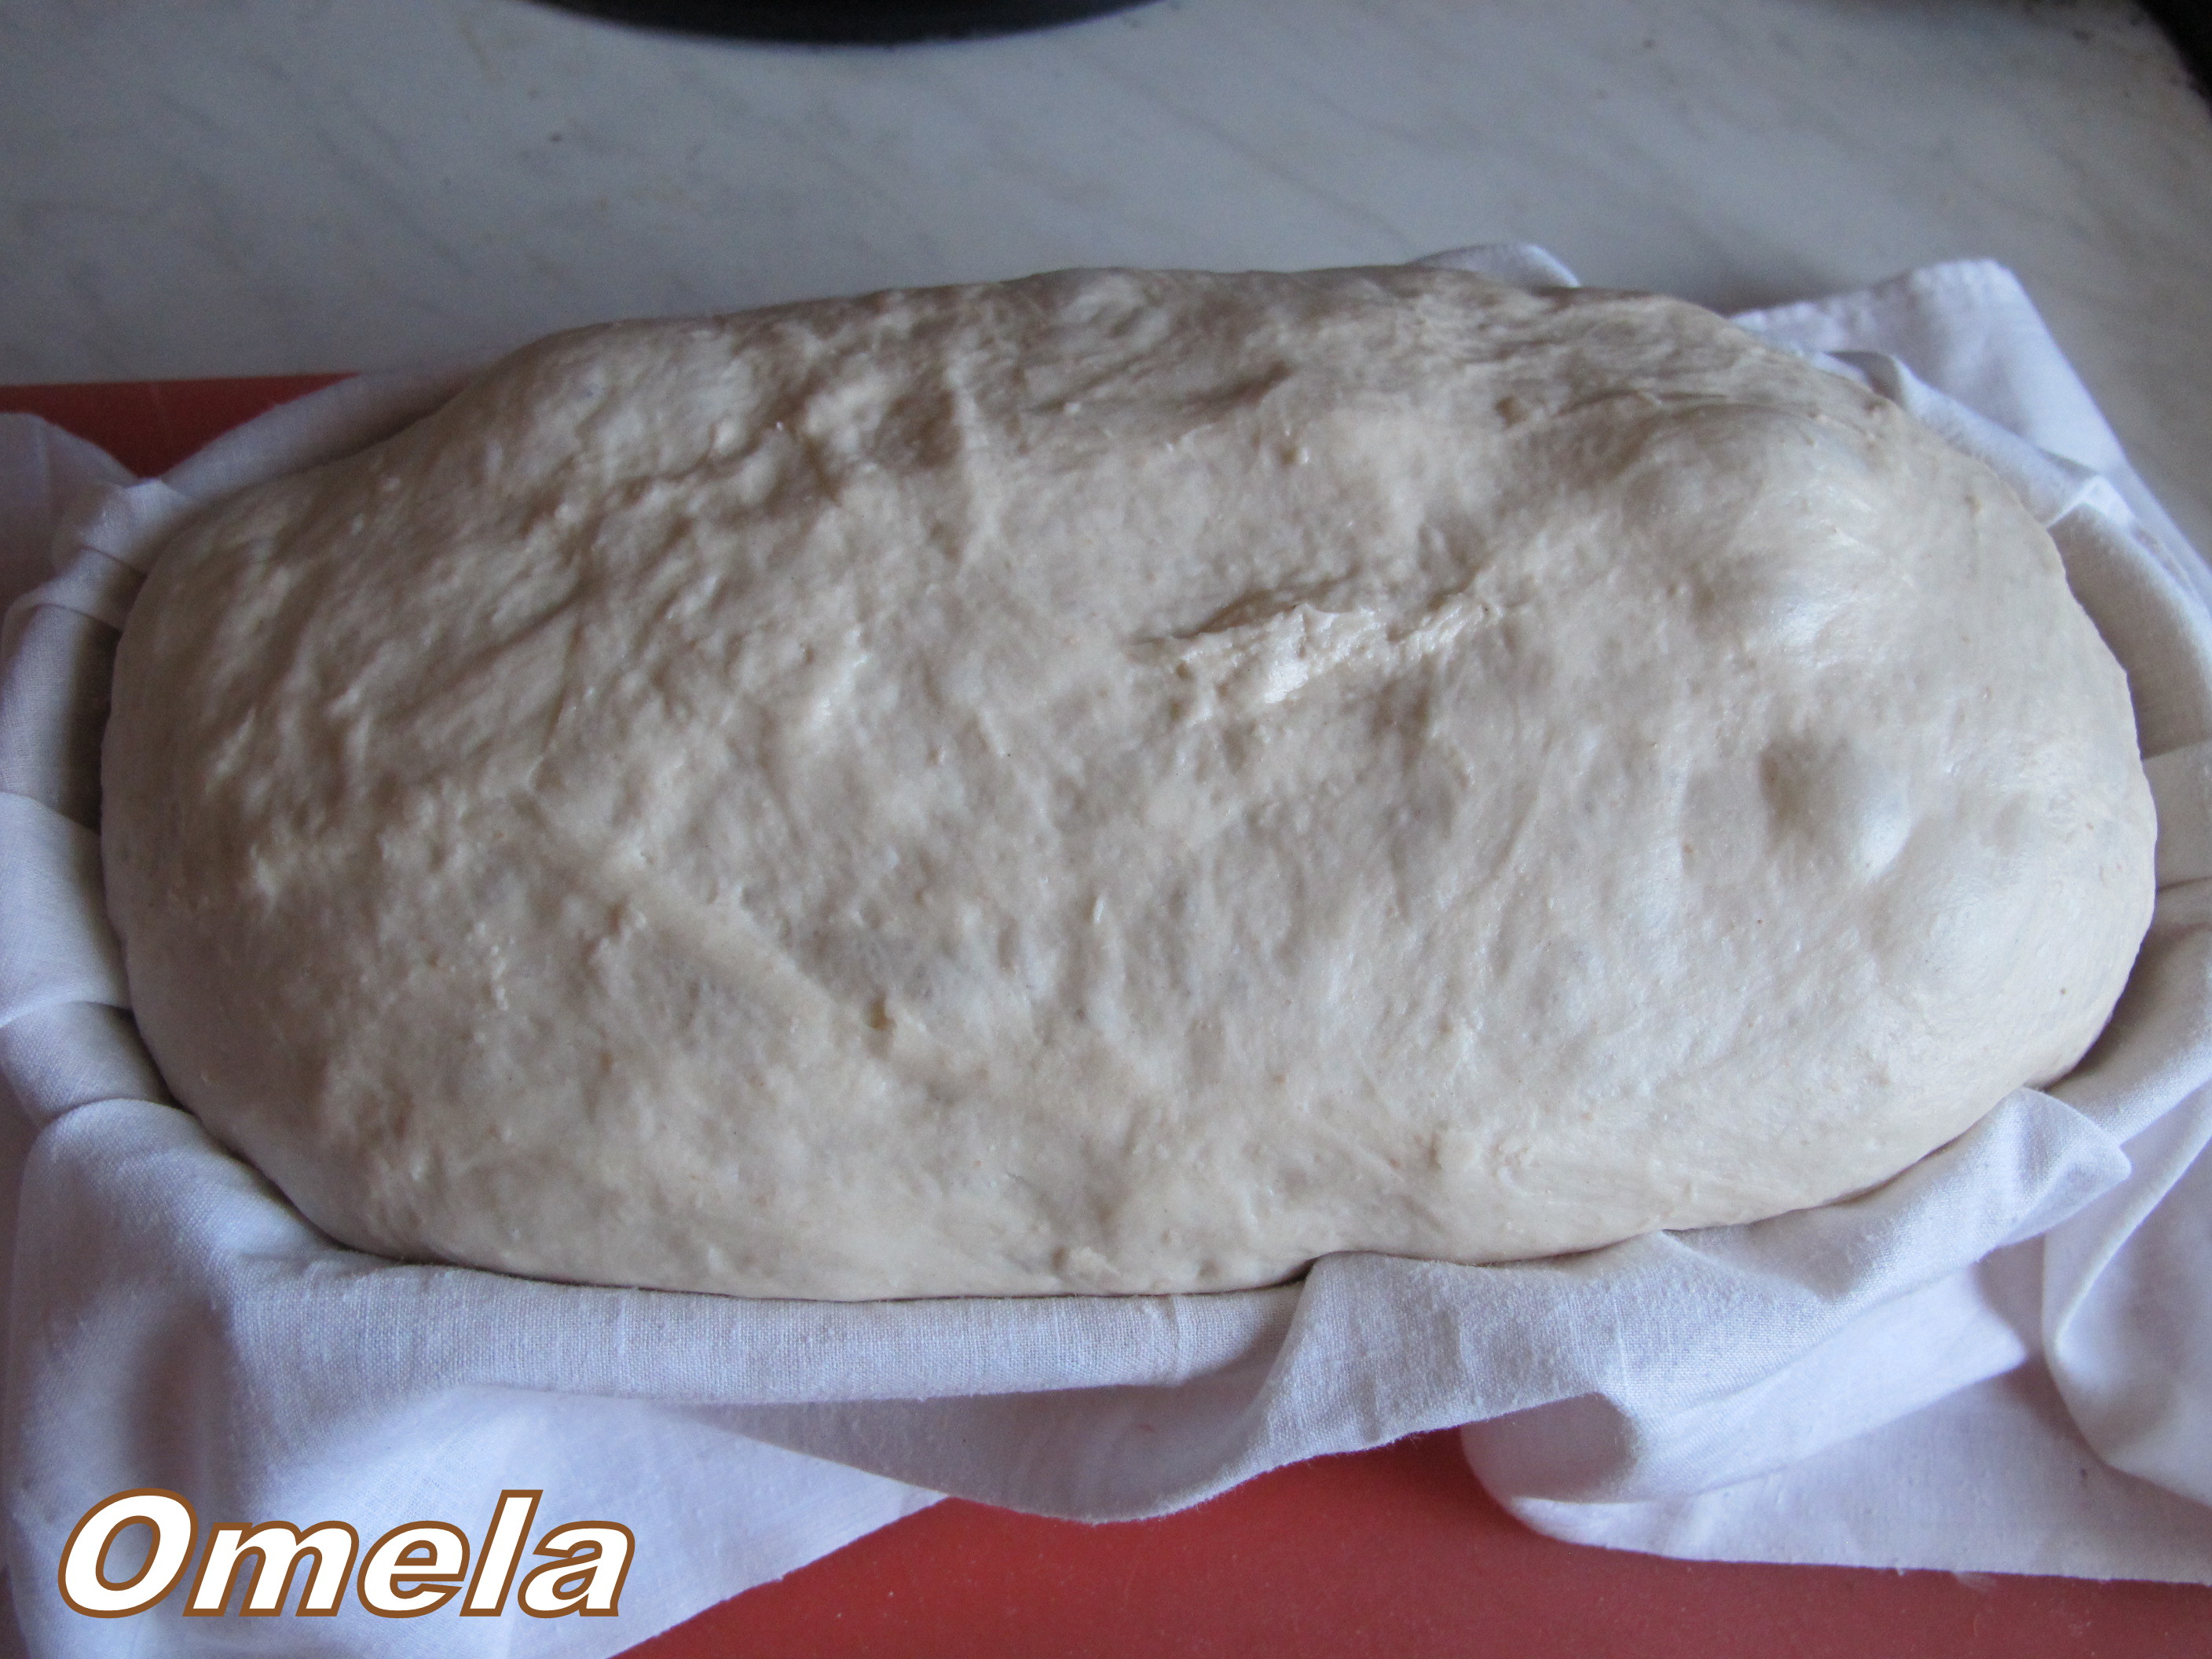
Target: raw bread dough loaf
x=1116, y=782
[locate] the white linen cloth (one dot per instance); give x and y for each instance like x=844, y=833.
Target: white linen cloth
x=2002, y=1360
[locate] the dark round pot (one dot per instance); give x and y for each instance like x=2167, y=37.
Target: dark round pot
x=847, y=22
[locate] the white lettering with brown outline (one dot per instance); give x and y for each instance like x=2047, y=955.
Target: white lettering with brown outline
x=413, y=1570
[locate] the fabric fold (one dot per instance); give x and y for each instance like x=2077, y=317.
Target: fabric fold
x=55, y=942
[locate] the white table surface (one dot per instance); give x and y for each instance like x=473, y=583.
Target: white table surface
x=254, y=186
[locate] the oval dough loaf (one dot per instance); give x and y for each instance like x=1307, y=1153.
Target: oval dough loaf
x=1117, y=782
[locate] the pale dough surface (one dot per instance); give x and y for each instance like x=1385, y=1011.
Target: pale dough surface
x=1118, y=781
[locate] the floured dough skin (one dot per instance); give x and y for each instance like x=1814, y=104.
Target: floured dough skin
x=1117, y=782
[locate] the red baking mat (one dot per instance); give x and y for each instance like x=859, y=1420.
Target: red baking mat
x=151, y=425
x=1396, y=1552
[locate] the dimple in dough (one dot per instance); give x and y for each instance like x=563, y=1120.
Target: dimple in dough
x=1116, y=782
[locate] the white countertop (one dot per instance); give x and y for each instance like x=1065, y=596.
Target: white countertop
x=260, y=186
